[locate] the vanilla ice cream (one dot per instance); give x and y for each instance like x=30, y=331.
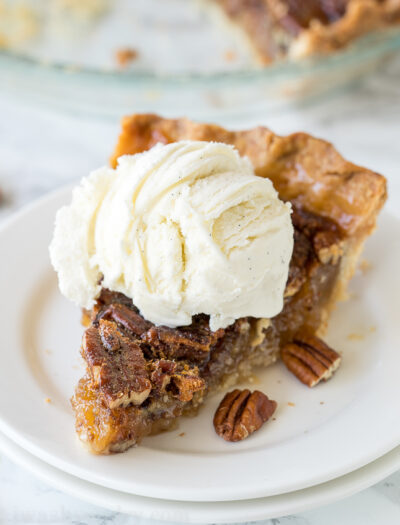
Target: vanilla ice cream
x=181, y=229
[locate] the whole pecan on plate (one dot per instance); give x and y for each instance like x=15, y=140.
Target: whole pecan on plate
x=310, y=359
x=241, y=413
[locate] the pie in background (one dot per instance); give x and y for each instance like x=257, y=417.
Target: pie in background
x=278, y=29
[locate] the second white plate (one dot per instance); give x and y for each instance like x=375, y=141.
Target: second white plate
x=210, y=512
x=318, y=434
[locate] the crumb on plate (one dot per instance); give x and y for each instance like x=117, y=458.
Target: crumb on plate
x=229, y=55
x=365, y=266
x=355, y=337
x=125, y=55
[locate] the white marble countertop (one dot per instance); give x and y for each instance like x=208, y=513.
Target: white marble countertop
x=41, y=150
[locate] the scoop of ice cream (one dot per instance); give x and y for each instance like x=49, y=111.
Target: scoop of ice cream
x=181, y=229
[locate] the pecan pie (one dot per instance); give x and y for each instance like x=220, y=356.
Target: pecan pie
x=295, y=28
x=141, y=377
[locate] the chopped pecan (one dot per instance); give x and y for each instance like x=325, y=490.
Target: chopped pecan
x=309, y=223
x=116, y=365
x=328, y=247
x=241, y=413
x=126, y=317
x=109, y=336
x=161, y=372
x=108, y=297
x=186, y=382
x=323, y=233
x=192, y=342
x=310, y=359
x=258, y=330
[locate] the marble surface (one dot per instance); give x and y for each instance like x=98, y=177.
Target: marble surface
x=41, y=150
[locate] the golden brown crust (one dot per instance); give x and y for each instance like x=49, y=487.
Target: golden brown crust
x=305, y=170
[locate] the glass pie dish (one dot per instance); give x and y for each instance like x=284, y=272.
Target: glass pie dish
x=164, y=57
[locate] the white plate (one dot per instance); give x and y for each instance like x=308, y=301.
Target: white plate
x=308, y=444
x=210, y=512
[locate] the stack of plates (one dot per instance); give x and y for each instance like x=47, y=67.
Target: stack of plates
x=325, y=443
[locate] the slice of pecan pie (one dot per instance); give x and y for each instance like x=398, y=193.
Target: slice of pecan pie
x=141, y=377
x=295, y=28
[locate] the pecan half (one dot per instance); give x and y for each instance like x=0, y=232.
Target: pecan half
x=116, y=365
x=241, y=413
x=126, y=317
x=310, y=359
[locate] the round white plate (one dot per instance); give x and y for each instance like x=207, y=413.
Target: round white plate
x=215, y=512
x=318, y=435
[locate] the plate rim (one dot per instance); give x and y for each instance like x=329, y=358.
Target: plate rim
x=193, y=512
